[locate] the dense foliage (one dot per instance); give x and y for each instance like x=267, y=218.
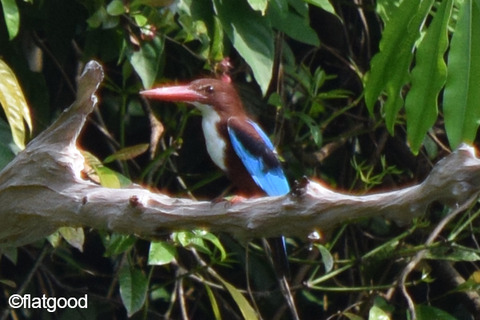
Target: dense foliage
x=364, y=95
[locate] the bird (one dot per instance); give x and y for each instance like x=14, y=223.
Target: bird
x=239, y=147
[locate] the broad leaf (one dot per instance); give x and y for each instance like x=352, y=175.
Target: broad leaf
x=389, y=67
x=147, y=61
x=462, y=95
x=251, y=35
x=428, y=77
x=12, y=17
x=14, y=104
x=133, y=288
x=161, y=252
x=292, y=24
x=74, y=236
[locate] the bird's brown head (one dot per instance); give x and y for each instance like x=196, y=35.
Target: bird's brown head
x=205, y=94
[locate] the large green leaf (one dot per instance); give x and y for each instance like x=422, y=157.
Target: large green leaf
x=12, y=17
x=161, y=252
x=14, y=105
x=390, y=67
x=292, y=24
x=428, y=77
x=133, y=288
x=251, y=35
x=147, y=61
x=462, y=92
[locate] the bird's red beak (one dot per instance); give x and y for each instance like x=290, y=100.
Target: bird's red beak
x=173, y=93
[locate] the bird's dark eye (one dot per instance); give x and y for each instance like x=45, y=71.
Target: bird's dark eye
x=208, y=89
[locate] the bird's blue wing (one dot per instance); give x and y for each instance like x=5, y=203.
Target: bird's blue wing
x=258, y=156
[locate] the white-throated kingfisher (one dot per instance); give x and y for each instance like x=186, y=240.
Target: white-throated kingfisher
x=236, y=144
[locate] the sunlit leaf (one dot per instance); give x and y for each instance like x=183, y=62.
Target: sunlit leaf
x=14, y=104
x=386, y=8
x=380, y=310
x=245, y=308
x=462, y=94
x=428, y=77
x=258, y=5
x=213, y=302
x=327, y=257
x=214, y=240
x=161, y=252
x=11, y=16
x=133, y=288
x=127, y=153
x=251, y=36
x=390, y=67
x=74, y=236
x=325, y=5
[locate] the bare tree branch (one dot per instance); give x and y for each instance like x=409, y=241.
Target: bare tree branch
x=42, y=189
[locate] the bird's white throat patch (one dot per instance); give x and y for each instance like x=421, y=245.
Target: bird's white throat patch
x=215, y=144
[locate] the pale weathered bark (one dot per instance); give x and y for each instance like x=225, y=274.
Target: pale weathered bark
x=42, y=189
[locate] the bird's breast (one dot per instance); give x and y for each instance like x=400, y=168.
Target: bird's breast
x=216, y=144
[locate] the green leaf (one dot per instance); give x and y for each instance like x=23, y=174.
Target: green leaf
x=452, y=253
x=6, y=153
x=245, y=308
x=389, y=67
x=325, y=5
x=12, y=17
x=258, y=5
x=74, y=236
x=9, y=283
x=133, y=288
x=14, y=104
x=428, y=77
x=386, y=8
x=115, y=8
x=251, y=35
x=424, y=312
x=11, y=253
x=127, y=153
x=210, y=237
x=117, y=243
x=461, y=94
x=147, y=61
x=293, y=25
x=161, y=253
x=380, y=310
x=213, y=302
x=111, y=179
x=327, y=257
